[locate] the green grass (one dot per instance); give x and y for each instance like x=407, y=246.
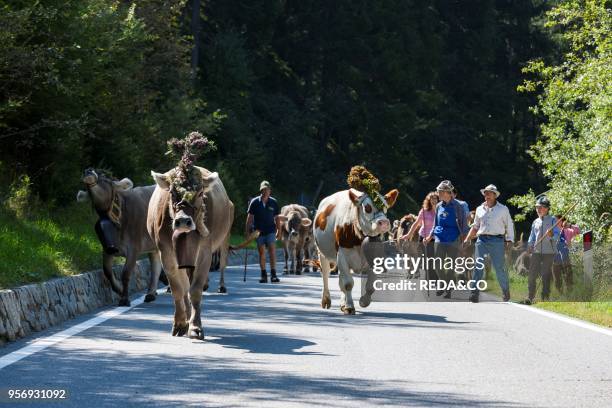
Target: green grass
x=598, y=311
x=47, y=244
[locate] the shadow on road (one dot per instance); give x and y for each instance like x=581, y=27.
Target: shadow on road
x=106, y=378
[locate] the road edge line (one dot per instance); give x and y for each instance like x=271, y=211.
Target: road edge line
x=566, y=319
x=43, y=342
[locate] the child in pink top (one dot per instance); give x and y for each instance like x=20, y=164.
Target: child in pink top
x=569, y=232
x=425, y=219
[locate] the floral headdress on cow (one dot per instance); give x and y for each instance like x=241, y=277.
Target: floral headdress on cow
x=186, y=178
x=361, y=179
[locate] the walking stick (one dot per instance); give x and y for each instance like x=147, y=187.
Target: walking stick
x=246, y=257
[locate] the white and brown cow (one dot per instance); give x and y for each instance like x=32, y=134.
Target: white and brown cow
x=295, y=227
x=186, y=232
x=342, y=222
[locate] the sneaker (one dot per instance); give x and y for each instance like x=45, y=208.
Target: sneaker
x=506, y=296
x=274, y=279
x=439, y=293
x=448, y=294
x=527, y=301
x=474, y=298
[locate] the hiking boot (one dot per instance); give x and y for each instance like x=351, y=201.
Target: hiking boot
x=506, y=296
x=474, y=298
x=264, y=277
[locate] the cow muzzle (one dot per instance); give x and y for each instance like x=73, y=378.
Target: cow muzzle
x=183, y=223
x=381, y=225
x=90, y=178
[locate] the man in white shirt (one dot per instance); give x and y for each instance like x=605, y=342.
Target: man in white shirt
x=493, y=226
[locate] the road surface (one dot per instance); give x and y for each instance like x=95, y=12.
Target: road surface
x=272, y=345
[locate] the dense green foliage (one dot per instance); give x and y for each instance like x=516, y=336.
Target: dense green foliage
x=292, y=91
x=575, y=149
x=297, y=92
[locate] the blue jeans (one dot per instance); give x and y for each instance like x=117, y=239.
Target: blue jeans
x=266, y=239
x=494, y=247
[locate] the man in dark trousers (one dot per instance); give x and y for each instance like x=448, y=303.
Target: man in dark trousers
x=262, y=215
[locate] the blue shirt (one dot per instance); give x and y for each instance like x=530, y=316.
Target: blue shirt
x=466, y=207
x=446, y=229
x=263, y=214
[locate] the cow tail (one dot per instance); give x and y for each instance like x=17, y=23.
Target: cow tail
x=252, y=237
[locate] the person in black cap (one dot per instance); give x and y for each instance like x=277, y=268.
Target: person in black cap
x=542, y=246
x=263, y=215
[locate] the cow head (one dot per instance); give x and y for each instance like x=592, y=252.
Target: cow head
x=100, y=188
x=186, y=204
x=372, y=220
x=294, y=225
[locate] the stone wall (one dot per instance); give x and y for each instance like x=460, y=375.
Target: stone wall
x=35, y=307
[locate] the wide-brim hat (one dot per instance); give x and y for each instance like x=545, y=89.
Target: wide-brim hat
x=491, y=188
x=264, y=184
x=445, y=185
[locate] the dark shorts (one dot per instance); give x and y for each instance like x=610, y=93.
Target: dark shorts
x=266, y=239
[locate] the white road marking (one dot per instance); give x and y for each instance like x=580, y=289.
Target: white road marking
x=570, y=320
x=42, y=343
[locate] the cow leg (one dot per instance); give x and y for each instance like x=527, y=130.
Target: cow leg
x=155, y=262
x=292, y=252
x=366, y=299
x=107, y=266
x=345, y=280
x=126, y=274
x=298, y=256
x=200, y=276
x=305, y=266
x=325, y=268
x=222, y=264
x=286, y=253
x=179, y=285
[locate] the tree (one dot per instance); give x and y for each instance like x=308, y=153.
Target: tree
x=575, y=149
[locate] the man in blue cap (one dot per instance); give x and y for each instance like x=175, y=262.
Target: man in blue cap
x=263, y=215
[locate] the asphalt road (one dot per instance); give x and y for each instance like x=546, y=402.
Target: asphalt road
x=272, y=345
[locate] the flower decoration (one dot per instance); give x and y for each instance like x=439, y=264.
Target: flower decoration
x=361, y=179
x=187, y=180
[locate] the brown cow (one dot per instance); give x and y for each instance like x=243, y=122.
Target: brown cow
x=121, y=228
x=295, y=229
x=188, y=223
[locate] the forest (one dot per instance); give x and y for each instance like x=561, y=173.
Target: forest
x=515, y=93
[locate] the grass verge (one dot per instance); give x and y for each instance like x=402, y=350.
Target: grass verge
x=598, y=312
x=47, y=244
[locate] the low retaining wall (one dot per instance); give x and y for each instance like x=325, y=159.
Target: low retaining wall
x=35, y=307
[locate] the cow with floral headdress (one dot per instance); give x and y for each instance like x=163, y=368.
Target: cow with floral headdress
x=342, y=222
x=190, y=216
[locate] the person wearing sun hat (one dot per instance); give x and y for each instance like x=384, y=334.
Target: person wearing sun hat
x=493, y=226
x=450, y=226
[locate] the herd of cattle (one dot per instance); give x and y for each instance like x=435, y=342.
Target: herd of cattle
x=182, y=236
